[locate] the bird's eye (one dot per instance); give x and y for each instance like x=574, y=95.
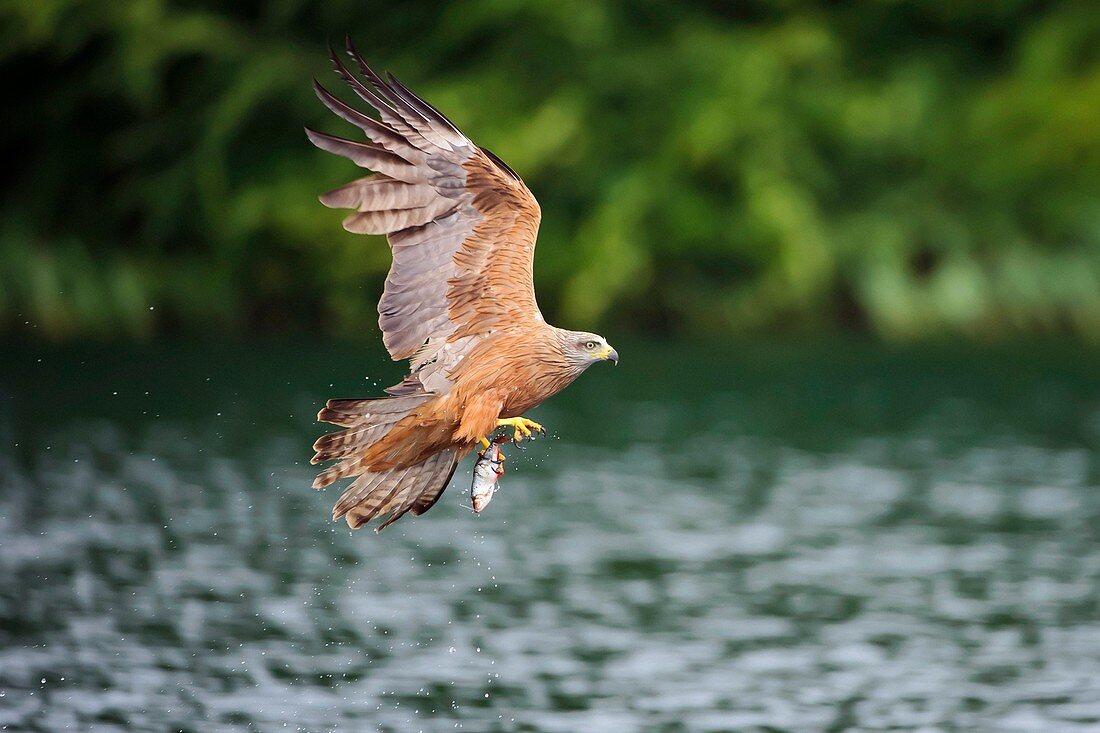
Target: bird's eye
x=590, y=345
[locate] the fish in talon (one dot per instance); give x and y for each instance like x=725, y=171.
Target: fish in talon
x=487, y=471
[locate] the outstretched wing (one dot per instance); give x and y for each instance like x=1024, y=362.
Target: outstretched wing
x=461, y=225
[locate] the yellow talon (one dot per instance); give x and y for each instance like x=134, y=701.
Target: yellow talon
x=523, y=428
x=484, y=442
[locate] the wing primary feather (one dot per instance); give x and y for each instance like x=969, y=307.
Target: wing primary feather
x=407, y=108
x=393, y=110
x=377, y=131
x=342, y=110
x=358, y=87
x=389, y=115
x=367, y=155
x=350, y=148
x=410, y=101
x=426, y=108
x=389, y=93
x=378, y=193
x=500, y=163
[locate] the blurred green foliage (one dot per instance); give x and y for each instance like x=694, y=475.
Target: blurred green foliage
x=909, y=167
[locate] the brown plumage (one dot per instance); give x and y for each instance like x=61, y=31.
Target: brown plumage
x=459, y=302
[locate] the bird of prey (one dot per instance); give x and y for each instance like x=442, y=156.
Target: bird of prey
x=459, y=303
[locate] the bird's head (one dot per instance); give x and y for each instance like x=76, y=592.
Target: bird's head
x=584, y=349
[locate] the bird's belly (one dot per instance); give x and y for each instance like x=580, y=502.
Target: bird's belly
x=518, y=409
x=523, y=400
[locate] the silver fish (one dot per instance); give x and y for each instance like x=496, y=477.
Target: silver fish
x=487, y=471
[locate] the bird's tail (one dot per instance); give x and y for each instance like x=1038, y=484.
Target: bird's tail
x=396, y=491
x=390, y=489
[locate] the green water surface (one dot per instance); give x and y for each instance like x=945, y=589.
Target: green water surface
x=741, y=537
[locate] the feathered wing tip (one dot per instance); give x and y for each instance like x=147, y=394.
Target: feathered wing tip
x=432, y=124
x=396, y=492
x=408, y=126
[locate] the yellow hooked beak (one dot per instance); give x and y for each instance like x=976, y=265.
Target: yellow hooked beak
x=608, y=354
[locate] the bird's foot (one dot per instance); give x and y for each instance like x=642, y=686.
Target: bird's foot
x=523, y=428
x=484, y=443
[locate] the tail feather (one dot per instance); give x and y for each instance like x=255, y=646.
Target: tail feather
x=396, y=491
x=366, y=421
x=348, y=413
x=343, y=469
x=427, y=499
x=358, y=490
x=381, y=487
x=335, y=417
x=367, y=498
x=343, y=443
x=431, y=485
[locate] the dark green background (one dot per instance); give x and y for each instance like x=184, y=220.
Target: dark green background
x=905, y=168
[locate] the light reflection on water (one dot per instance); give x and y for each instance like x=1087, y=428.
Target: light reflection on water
x=937, y=569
